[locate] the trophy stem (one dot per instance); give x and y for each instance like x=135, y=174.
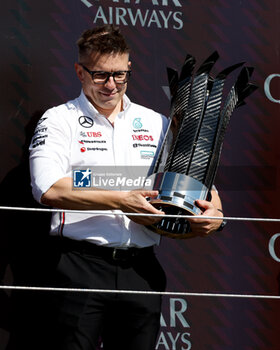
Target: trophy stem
x=177, y=196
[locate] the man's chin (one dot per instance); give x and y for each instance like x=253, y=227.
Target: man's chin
x=109, y=104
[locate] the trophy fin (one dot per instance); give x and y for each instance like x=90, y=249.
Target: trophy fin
x=208, y=64
x=181, y=152
x=187, y=68
x=250, y=71
x=180, y=102
x=190, y=117
x=204, y=144
x=242, y=79
x=173, y=79
x=224, y=73
x=250, y=88
x=241, y=89
x=202, y=150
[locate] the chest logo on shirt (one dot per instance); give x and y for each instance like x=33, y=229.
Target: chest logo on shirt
x=137, y=123
x=85, y=122
x=142, y=138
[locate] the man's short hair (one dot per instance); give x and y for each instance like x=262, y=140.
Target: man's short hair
x=104, y=40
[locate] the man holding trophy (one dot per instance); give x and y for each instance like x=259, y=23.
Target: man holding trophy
x=115, y=251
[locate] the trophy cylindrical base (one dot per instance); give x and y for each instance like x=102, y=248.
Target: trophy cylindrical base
x=177, y=196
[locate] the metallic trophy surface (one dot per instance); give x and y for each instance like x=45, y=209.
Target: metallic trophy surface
x=186, y=166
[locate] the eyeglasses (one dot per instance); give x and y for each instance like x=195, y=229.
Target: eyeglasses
x=100, y=77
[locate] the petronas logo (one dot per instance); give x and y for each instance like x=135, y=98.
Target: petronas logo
x=137, y=123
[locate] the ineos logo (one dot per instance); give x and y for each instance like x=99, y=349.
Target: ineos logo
x=86, y=122
x=271, y=247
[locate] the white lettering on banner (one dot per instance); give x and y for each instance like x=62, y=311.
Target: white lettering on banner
x=164, y=340
x=271, y=247
x=154, y=2
x=186, y=341
x=175, y=340
x=267, y=87
x=87, y=3
x=178, y=313
x=138, y=16
x=144, y=17
x=147, y=18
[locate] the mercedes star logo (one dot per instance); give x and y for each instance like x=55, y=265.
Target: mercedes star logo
x=86, y=122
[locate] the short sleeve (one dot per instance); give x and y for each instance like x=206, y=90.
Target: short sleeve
x=49, y=151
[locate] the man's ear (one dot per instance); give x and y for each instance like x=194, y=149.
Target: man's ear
x=80, y=72
x=129, y=65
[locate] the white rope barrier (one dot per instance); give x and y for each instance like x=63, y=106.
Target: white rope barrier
x=79, y=290
x=108, y=212
x=100, y=212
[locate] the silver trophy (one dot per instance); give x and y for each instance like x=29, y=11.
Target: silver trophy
x=187, y=163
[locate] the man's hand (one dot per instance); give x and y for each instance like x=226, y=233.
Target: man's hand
x=61, y=195
x=203, y=227
x=136, y=202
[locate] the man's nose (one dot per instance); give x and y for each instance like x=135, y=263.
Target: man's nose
x=110, y=83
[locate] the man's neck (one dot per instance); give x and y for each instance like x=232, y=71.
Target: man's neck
x=111, y=114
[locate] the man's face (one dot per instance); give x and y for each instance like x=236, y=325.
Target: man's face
x=105, y=97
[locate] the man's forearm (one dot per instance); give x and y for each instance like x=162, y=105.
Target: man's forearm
x=62, y=195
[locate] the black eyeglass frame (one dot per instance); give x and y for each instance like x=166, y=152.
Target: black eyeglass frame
x=109, y=74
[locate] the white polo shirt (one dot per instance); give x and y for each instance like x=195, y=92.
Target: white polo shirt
x=75, y=135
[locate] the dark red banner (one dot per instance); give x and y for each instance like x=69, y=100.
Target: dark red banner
x=37, y=72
